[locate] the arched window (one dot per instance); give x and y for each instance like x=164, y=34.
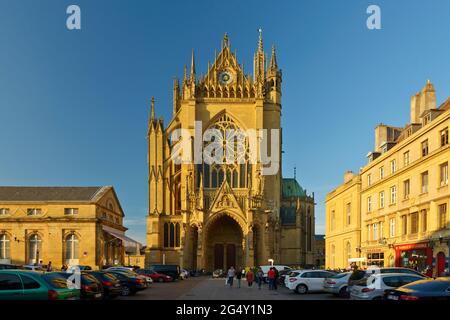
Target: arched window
x=333, y=256
x=110, y=205
x=177, y=235
x=172, y=235
x=348, y=251
x=235, y=156
x=34, y=248
x=166, y=235
x=72, y=245
x=4, y=247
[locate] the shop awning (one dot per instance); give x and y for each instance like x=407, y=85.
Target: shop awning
x=128, y=242
x=357, y=259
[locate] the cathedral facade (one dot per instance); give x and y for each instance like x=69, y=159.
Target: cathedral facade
x=211, y=216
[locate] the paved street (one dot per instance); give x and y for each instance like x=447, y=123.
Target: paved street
x=205, y=288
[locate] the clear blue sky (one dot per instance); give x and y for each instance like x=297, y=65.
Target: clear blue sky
x=74, y=104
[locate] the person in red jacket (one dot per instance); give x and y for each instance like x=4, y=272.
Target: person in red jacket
x=271, y=276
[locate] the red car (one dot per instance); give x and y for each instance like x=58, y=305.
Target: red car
x=156, y=277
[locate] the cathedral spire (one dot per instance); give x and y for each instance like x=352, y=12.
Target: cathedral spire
x=260, y=41
x=185, y=74
x=193, y=76
x=273, y=59
x=152, y=109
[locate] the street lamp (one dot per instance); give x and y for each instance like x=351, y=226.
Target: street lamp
x=271, y=262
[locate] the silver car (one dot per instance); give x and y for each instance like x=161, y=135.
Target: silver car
x=337, y=284
x=373, y=287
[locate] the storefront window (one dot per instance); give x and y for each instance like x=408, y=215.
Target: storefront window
x=375, y=259
x=415, y=259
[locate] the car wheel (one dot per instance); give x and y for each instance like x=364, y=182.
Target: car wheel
x=343, y=292
x=160, y=280
x=125, y=291
x=301, y=289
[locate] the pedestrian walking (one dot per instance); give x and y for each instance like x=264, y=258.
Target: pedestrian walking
x=275, y=280
x=271, y=277
x=230, y=275
x=259, y=278
x=64, y=268
x=250, y=276
x=239, y=277
x=49, y=267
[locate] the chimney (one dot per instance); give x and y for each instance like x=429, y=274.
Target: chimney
x=415, y=108
x=348, y=175
x=427, y=98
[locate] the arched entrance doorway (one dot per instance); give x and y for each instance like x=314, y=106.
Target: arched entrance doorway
x=440, y=265
x=223, y=244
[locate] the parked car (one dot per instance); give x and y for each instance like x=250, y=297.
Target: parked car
x=373, y=287
x=280, y=268
x=30, y=285
x=33, y=267
x=129, y=282
x=282, y=276
x=91, y=288
x=110, y=283
x=120, y=269
x=304, y=281
x=7, y=266
x=219, y=273
x=155, y=276
x=184, y=274
x=426, y=289
x=337, y=284
x=81, y=268
x=172, y=270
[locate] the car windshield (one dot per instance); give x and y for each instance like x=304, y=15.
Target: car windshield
x=109, y=276
x=56, y=280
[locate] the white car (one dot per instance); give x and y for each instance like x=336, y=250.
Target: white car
x=304, y=281
x=119, y=269
x=373, y=287
x=266, y=269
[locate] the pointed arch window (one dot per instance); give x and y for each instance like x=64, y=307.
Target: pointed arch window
x=172, y=235
x=236, y=149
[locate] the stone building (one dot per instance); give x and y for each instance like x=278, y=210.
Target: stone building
x=403, y=195
x=64, y=225
x=212, y=216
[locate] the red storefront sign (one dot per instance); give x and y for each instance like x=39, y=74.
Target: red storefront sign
x=416, y=255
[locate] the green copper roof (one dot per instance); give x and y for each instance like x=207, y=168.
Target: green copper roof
x=291, y=188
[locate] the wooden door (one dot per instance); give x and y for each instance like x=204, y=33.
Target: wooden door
x=218, y=256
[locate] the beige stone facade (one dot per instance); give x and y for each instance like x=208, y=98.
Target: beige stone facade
x=64, y=225
x=212, y=216
x=404, y=192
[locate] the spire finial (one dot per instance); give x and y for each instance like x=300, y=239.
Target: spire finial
x=225, y=42
x=273, y=59
x=193, y=65
x=260, y=42
x=185, y=73
x=295, y=172
x=152, y=109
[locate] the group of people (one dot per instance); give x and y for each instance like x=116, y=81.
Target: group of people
x=48, y=267
x=252, y=276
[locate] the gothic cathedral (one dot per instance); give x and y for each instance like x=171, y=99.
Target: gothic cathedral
x=213, y=216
